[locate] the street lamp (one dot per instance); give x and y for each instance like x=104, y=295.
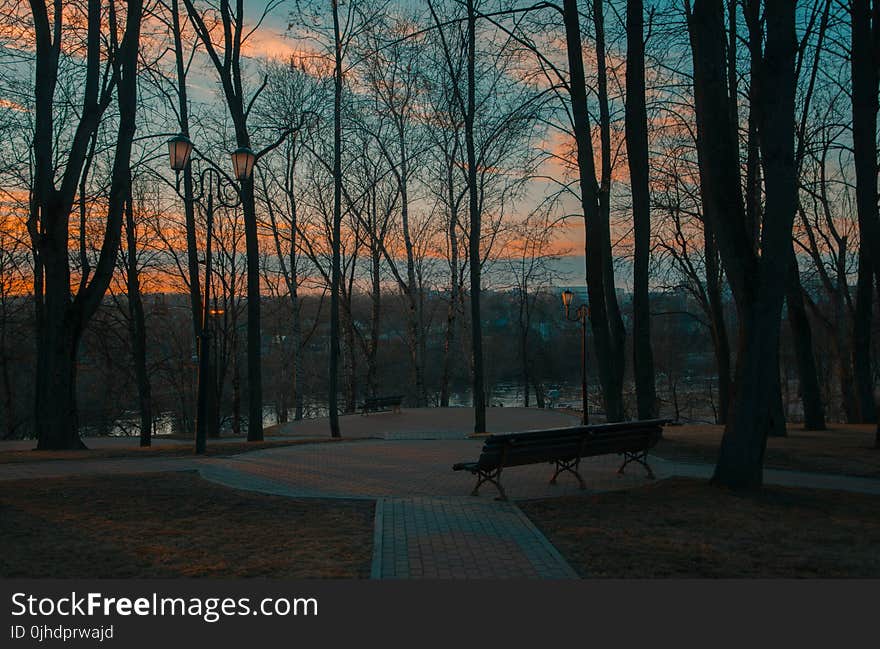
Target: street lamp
x=179, y=150
x=580, y=314
x=243, y=160
x=212, y=183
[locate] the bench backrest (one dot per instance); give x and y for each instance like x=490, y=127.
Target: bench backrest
x=538, y=446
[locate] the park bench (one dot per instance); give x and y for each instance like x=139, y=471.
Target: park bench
x=564, y=447
x=376, y=404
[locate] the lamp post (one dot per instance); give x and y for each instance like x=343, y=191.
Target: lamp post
x=210, y=181
x=579, y=314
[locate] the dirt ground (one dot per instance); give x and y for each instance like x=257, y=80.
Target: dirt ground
x=845, y=449
x=690, y=528
x=176, y=525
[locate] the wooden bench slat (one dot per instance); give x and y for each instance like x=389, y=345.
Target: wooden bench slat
x=565, y=447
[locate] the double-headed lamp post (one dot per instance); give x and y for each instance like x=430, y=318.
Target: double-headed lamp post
x=579, y=314
x=212, y=183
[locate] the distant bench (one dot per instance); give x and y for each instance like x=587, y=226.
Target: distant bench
x=376, y=404
x=564, y=447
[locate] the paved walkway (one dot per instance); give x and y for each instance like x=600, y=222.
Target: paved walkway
x=449, y=538
x=426, y=524
x=430, y=423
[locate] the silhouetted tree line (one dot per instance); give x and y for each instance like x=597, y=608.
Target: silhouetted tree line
x=420, y=164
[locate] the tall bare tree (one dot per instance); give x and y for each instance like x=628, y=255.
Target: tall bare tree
x=865, y=67
x=757, y=278
x=637, y=156
x=110, y=53
x=225, y=54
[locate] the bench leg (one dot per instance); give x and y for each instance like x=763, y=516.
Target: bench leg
x=489, y=476
x=571, y=466
x=640, y=458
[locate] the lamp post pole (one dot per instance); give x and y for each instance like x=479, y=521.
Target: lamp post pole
x=580, y=314
x=204, y=332
x=180, y=149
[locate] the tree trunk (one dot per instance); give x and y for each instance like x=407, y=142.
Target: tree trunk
x=236, y=391
x=254, y=332
x=451, y=324
x=375, y=320
x=758, y=283
x=841, y=336
x=802, y=339
x=350, y=363
x=296, y=342
x=474, y=256
x=9, y=402
x=865, y=103
x=192, y=253
x=55, y=414
x=524, y=349
x=60, y=315
x=776, y=427
x=861, y=338
x=720, y=340
x=594, y=249
x=614, y=406
x=137, y=329
x=336, y=242
x=637, y=156
x=447, y=354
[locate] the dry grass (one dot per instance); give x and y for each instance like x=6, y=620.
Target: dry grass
x=176, y=525
x=844, y=448
x=689, y=528
x=214, y=448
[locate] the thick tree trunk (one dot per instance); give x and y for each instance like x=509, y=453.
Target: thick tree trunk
x=758, y=283
x=637, y=156
x=55, y=413
x=865, y=103
x=861, y=339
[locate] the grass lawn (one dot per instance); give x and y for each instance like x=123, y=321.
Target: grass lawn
x=690, y=528
x=176, y=525
x=214, y=447
x=846, y=449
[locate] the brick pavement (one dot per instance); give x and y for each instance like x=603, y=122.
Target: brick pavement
x=457, y=538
